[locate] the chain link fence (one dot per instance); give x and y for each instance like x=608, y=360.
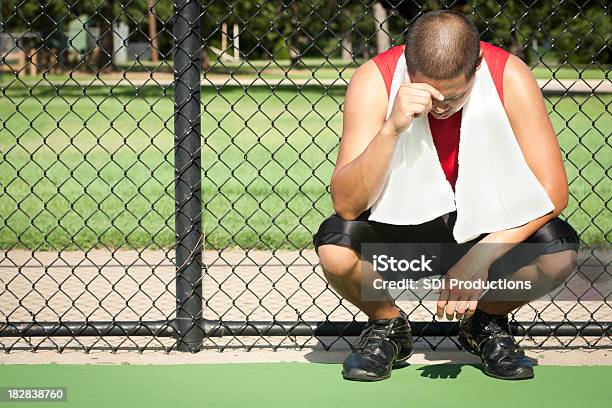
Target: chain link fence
x=165, y=165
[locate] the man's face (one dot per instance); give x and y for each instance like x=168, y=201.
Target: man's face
x=455, y=91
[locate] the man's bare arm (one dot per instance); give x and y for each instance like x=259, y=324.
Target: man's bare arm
x=368, y=140
x=366, y=146
x=531, y=124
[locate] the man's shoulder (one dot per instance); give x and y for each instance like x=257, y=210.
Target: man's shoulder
x=387, y=59
x=517, y=73
x=521, y=88
x=495, y=56
x=367, y=75
x=365, y=94
x=386, y=62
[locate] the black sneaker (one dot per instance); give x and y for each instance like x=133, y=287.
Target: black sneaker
x=382, y=344
x=489, y=337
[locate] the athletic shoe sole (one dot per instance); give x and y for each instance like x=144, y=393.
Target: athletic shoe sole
x=400, y=363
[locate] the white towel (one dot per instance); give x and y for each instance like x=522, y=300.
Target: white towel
x=495, y=188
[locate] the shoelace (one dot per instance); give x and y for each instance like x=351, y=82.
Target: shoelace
x=507, y=339
x=370, y=338
x=373, y=335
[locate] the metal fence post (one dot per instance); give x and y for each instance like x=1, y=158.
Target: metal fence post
x=187, y=153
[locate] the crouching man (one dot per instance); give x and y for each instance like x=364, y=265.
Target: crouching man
x=446, y=139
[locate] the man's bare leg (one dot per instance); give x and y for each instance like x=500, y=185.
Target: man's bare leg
x=346, y=273
x=387, y=337
x=545, y=273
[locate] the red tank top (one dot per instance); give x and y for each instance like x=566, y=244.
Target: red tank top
x=445, y=132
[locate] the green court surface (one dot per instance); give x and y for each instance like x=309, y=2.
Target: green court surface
x=307, y=385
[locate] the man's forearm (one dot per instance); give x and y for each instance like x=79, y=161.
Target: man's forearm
x=505, y=240
x=355, y=186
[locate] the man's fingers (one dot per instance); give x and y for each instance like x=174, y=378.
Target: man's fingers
x=442, y=303
x=462, y=306
x=451, y=306
x=433, y=91
x=419, y=110
x=471, y=308
x=419, y=98
x=420, y=90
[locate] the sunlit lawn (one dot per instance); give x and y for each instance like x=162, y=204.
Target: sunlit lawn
x=97, y=170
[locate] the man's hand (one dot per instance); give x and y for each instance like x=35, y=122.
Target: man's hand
x=413, y=100
x=456, y=302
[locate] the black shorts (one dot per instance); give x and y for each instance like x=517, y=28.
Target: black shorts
x=554, y=236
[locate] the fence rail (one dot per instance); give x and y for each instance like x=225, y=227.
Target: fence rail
x=146, y=211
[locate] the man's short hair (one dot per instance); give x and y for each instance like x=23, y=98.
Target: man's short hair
x=442, y=44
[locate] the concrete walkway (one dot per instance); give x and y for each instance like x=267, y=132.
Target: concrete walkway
x=548, y=86
x=422, y=355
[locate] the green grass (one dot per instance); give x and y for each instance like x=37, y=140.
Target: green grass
x=307, y=385
x=89, y=171
x=542, y=72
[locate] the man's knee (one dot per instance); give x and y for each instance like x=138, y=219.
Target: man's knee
x=557, y=266
x=337, y=261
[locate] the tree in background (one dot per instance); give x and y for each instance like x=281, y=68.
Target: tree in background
x=572, y=32
x=104, y=54
x=152, y=20
x=555, y=31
